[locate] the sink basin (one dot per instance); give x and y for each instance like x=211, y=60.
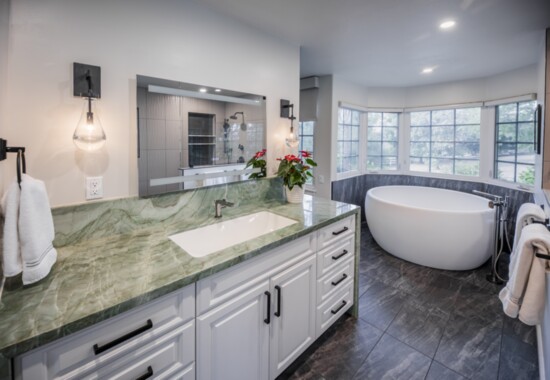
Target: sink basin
x=205, y=240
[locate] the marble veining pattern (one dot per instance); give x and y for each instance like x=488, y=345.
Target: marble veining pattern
x=113, y=256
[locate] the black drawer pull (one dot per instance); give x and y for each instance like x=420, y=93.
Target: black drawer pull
x=339, y=308
x=147, y=374
x=341, y=231
x=344, y=276
x=344, y=252
x=278, y=312
x=268, y=319
x=99, y=349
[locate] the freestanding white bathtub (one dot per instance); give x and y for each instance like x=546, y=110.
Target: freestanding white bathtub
x=438, y=228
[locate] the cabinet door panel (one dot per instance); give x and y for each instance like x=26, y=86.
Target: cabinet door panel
x=294, y=328
x=233, y=339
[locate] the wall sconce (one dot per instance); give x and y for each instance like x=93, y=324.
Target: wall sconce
x=89, y=134
x=287, y=111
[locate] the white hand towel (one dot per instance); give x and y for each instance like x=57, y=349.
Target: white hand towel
x=11, y=258
x=527, y=214
x=525, y=294
x=36, y=231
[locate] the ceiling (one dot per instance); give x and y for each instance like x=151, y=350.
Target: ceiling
x=387, y=43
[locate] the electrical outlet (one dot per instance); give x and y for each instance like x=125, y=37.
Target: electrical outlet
x=94, y=188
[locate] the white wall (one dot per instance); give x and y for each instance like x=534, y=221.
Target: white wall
x=4, y=32
x=323, y=138
x=173, y=39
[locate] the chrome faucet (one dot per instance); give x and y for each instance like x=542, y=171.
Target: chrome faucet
x=221, y=203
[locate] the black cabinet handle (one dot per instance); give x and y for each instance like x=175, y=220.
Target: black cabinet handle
x=99, y=349
x=344, y=276
x=268, y=319
x=147, y=374
x=339, y=307
x=278, y=312
x=341, y=231
x=344, y=252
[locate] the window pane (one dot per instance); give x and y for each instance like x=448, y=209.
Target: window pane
x=420, y=118
x=340, y=132
x=340, y=115
x=389, y=148
x=468, y=115
x=526, y=111
x=307, y=143
x=467, y=133
x=355, y=133
x=506, y=152
x=526, y=174
x=355, y=117
x=443, y=117
x=374, y=133
x=348, y=140
x=467, y=150
x=374, y=148
x=307, y=127
x=347, y=116
x=420, y=133
x=505, y=171
x=443, y=133
x=390, y=119
x=442, y=150
x=419, y=164
x=375, y=119
x=390, y=134
x=340, y=151
x=506, y=132
x=389, y=163
x=526, y=132
x=507, y=112
x=354, y=149
x=374, y=163
x=353, y=163
x=444, y=166
x=467, y=167
x=526, y=153
x=420, y=149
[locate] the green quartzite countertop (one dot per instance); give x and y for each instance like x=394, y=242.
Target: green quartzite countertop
x=118, y=259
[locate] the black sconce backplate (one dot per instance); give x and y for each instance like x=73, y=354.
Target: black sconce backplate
x=285, y=109
x=80, y=84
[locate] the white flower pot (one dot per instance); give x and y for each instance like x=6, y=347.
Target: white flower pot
x=296, y=195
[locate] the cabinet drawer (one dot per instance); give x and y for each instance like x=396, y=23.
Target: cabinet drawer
x=223, y=286
x=171, y=356
x=334, y=255
x=333, y=308
x=336, y=232
x=76, y=351
x=335, y=280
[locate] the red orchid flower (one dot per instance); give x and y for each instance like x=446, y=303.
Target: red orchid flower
x=305, y=154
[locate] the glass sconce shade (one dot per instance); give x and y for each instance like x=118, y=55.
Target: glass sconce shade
x=89, y=134
x=292, y=140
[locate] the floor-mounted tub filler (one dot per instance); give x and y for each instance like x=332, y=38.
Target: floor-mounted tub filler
x=434, y=227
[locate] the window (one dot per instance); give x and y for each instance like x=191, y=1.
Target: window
x=347, y=153
x=382, y=137
x=306, y=140
x=445, y=141
x=515, y=145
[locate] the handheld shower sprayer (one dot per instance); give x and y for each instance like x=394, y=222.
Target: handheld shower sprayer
x=234, y=117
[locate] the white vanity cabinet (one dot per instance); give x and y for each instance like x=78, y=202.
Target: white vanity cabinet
x=258, y=316
x=153, y=340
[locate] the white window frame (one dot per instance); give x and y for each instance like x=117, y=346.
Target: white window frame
x=362, y=139
x=399, y=140
x=309, y=186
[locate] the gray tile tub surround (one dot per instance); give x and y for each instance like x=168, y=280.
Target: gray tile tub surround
x=353, y=190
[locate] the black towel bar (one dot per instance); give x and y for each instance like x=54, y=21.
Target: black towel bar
x=21, y=162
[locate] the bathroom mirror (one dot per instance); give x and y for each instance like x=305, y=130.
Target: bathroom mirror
x=191, y=136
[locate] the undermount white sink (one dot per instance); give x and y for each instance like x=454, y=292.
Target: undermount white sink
x=205, y=240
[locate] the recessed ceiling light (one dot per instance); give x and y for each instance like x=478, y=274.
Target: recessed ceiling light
x=427, y=70
x=218, y=90
x=203, y=89
x=447, y=24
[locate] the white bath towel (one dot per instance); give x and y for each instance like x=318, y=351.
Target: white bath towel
x=11, y=256
x=527, y=214
x=525, y=292
x=36, y=231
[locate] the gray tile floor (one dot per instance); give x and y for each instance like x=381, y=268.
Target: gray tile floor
x=421, y=323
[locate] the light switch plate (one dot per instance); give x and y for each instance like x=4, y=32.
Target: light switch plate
x=94, y=188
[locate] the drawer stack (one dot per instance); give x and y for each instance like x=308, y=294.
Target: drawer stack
x=335, y=272
x=157, y=339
